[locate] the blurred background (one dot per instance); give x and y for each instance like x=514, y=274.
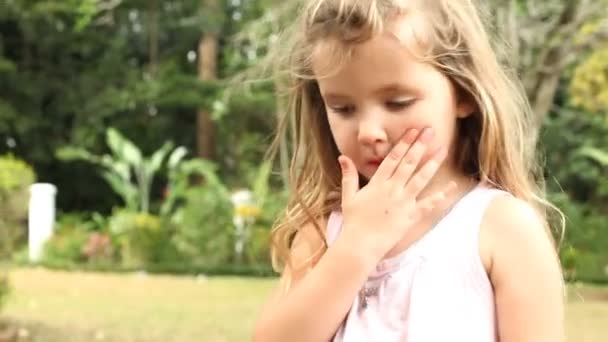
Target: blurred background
x=152, y=206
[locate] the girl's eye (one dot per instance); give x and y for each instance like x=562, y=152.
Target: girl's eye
x=398, y=105
x=343, y=109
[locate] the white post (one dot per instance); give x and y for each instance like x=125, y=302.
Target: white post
x=241, y=199
x=41, y=218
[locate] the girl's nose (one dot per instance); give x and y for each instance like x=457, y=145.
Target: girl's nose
x=371, y=131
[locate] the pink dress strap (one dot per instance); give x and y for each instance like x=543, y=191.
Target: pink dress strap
x=334, y=226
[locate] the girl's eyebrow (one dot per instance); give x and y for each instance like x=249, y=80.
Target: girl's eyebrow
x=392, y=88
x=332, y=96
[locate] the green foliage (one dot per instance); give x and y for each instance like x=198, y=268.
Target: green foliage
x=583, y=254
x=204, y=226
x=15, y=179
x=66, y=245
x=141, y=237
x=589, y=85
x=564, y=135
x=258, y=247
x=76, y=240
x=574, y=141
x=126, y=170
x=83, y=66
x=15, y=175
x=596, y=154
x=179, y=179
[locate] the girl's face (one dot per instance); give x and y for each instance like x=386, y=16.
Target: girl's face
x=381, y=92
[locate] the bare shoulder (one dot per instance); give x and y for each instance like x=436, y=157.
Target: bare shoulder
x=524, y=269
x=511, y=228
x=308, y=244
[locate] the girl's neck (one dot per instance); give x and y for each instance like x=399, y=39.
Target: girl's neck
x=443, y=177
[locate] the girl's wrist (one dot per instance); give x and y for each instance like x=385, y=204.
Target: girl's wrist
x=364, y=250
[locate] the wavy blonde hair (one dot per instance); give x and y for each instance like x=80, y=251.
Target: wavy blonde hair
x=494, y=142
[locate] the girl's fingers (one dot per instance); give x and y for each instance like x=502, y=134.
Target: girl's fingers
x=391, y=161
x=422, y=177
x=350, y=178
x=411, y=160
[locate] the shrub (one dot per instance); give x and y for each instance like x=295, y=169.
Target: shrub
x=66, y=245
x=204, y=227
x=141, y=238
x=15, y=179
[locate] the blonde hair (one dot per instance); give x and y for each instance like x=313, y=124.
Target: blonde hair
x=494, y=146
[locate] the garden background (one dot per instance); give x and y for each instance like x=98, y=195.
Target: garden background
x=164, y=205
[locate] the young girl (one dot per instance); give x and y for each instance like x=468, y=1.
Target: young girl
x=415, y=214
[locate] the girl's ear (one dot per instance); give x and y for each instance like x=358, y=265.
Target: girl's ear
x=466, y=106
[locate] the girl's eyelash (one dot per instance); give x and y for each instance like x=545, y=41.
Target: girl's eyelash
x=399, y=104
x=342, y=109
x=396, y=105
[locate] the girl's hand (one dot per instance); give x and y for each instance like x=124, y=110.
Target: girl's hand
x=378, y=216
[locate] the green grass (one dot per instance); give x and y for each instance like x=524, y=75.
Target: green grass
x=135, y=307
x=56, y=306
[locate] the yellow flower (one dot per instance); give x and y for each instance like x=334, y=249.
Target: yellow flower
x=245, y=210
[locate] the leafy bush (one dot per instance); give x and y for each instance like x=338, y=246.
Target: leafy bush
x=583, y=253
x=204, y=226
x=76, y=239
x=579, y=186
x=258, y=250
x=141, y=238
x=589, y=86
x=126, y=170
x=565, y=136
x=15, y=178
x=98, y=248
x=66, y=245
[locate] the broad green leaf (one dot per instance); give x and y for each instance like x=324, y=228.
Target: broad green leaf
x=176, y=157
x=123, y=148
x=156, y=160
x=69, y=153
x=127, y=191
x=595, y=154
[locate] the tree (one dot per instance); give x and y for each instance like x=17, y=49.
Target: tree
x=69, y=69
x=544, y=39
x=207, y=70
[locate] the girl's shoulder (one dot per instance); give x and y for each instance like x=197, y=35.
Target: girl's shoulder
x=524, y=266
x=512, y=232
x=309, y=242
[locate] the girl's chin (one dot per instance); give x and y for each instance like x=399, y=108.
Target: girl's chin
x=364, y=177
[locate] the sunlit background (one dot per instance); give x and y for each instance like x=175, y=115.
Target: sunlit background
x=151, y=210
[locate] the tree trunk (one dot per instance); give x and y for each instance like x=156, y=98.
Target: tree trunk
x=153, y=35
x=543, y=45
x=207, y=70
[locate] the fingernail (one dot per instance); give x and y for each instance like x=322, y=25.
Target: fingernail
x=427, y=134
x=342, y=163
x=411, y=135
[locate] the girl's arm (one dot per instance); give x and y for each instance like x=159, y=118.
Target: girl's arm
x=525, y=272
x=319, y=297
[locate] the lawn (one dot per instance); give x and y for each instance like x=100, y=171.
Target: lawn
x=54, y=306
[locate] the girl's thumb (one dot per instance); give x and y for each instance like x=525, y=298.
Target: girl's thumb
x=350, y=178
